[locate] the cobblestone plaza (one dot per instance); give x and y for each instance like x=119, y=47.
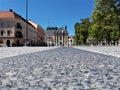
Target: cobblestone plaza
x=61, y=68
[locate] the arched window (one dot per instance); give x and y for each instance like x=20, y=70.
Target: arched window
x=8, y=43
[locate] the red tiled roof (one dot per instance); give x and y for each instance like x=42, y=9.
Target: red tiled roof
x=7, y=14
x=52, y=37
x=10, y=15
x=71, y=37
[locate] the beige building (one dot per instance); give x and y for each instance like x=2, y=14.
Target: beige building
x=71, y=41
x=41, y=36
x=57, y=36
x=13, y=30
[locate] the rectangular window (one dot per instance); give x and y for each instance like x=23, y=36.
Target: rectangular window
x=60, y=37
x=8, y=25
x=1, y=24
x=1, y=33
x=8, y=32
x=1, y=41
x=19, y=26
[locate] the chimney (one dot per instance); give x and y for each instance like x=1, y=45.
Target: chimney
x=10, y=10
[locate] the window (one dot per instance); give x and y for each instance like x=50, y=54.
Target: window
x=18, y=34
x=2, y=24
x=1, y=41
x=19, y=26
x=8, y=24
x=60, y=37
x=1, y=33
x=8, y=32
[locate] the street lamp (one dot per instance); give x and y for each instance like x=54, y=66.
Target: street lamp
x=63, y=36
x=26, y=33
x=57, y=37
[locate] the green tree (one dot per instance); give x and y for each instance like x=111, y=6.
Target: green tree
x=77, y=34
x=117, y=11
x=81, y=31
x=84, y=27
x=104, y=21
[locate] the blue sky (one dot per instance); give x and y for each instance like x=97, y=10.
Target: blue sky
x=58, y=12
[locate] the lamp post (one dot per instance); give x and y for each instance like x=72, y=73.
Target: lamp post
x=63, y=37
x=26, y=32
x=57, y=39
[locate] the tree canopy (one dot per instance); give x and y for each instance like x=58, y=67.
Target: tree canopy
x=81, y=31
x=104, y=25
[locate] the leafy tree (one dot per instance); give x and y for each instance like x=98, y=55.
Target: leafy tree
x=81, y=31
x=104, y=25
x=84, y=26
x=104, y=21
x=77, y=34
x=117, y=11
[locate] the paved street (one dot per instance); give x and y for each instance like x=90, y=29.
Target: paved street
x=62, y=68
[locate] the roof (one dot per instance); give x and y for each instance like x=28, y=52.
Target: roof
x=52, y=32
x=13, y=15
x=71, y=37
x=34, y=24
x=10, y=15
x=7, y=14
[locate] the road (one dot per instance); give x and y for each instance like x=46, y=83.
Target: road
x=62, y=68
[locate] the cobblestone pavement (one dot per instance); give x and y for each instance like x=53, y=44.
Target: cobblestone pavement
x=62, y=68
x=107, y=50
x=15, y=51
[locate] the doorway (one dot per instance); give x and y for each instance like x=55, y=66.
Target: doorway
x=8, y=43
x=18, y=43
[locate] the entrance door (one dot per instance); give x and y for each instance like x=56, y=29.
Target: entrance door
x=60, y=43
x=18, y=43
x=8, y=43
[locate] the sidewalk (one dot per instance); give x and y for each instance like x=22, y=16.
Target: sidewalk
x=107, y=50
x=14, y=51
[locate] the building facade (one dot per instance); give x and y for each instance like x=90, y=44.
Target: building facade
x=57, y=36
x=71, y=40
x=13, y=30
x=41, y=36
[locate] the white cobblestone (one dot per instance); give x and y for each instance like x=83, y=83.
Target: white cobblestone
x=63, y=68
x=107, y=50
x=14, y=51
